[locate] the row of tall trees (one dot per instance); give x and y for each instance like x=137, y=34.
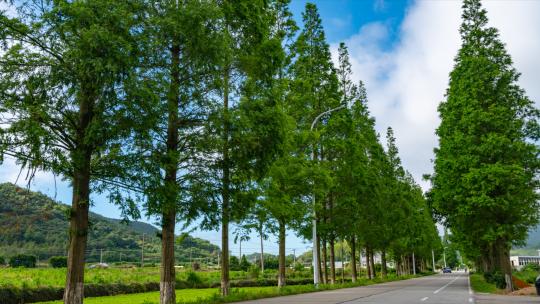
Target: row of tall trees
x=485, y=186
x=203, y=111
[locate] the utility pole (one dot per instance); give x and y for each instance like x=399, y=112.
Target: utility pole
x=240, y=249
x=413, y=264
x=101, y=256
x=294, y=256
x=433, y=259
x=142, y=251
x=316, y=274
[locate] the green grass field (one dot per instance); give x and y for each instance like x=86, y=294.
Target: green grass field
x=55, y=277
x=211, y=295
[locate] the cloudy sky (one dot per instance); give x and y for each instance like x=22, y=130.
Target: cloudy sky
x=403, y=50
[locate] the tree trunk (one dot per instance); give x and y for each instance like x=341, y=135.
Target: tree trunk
x=332, y=260
x=167, y=282
x=368, y=266
x=281, y=276
x=78, y=232
x=324, y=262
x=262, y=250
x=504, y=263
x=80, y=203
x=353, y=259
x=168, y=279
x=372, y=263
x=318, y=251
x=384, y=270
x=342, y=263
x=225, y=195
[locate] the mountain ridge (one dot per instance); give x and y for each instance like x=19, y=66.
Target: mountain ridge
x=33, y=223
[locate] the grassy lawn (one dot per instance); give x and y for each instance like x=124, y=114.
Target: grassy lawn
x=479, y=284
x=211, y=295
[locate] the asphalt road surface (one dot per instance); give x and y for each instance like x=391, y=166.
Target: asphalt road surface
x=441, y=288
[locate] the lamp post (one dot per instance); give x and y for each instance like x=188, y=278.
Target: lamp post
x=314, y=221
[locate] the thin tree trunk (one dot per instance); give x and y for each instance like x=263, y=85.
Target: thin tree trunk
x=353, y=259
x=332, y=260
x=372, y=263
x=225, y=195
x=281, y=276
x=342, y=262
x=78, y=222
x=168, y=279
x=368, y=266
x=262, y=250
x=384, y=270
x=318, y=251
x=324, y=261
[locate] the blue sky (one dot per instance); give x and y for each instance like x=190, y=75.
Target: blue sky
x=403, y=50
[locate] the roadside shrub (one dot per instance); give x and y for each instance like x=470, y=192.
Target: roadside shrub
x=58, y=261
x=298, y=267
x=23, y=260
x=254, y=271
x=495, y=277
x=193, y=279
x=531, y=267
x=2, y=261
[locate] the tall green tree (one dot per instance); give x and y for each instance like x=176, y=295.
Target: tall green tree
x=66, y=82
x=245, y=127
x=314, y=90
x=485, y=185
x=182, y=42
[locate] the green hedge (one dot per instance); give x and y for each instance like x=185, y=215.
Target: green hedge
x=22, y=260
x=58, y=261
x=2, y=261
x=17, y=295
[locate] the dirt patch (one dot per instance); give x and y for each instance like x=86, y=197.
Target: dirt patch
x=527, y=291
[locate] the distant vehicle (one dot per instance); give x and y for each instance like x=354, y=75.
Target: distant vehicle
x=446, y=270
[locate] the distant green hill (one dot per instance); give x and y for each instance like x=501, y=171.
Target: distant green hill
x=32, y=223
x=532, y=246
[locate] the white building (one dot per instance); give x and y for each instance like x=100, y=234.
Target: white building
x=519, y=261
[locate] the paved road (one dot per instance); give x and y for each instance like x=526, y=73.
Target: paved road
x=442, y=288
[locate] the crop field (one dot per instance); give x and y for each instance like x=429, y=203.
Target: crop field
x=55, y=277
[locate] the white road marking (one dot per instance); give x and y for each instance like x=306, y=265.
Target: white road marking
x=440, y=289
x=423, y=299
x=471, y=298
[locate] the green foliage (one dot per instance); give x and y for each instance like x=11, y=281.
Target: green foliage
x=2, y=261
x=496, y=278
x=244, y=264
x=254, y=271
x=485, y=182
x=193, y=279
x=58, y=261
x=22, y=260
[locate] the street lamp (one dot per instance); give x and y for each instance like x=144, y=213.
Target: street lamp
x=314, y=221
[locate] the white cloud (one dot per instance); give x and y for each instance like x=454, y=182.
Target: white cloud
x=406, y=84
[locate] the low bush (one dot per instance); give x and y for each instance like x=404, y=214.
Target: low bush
x=254, y=271
x=193, y=280
x=2, y=261
x=58, y=261
x=495, y=277
x=23, y=260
